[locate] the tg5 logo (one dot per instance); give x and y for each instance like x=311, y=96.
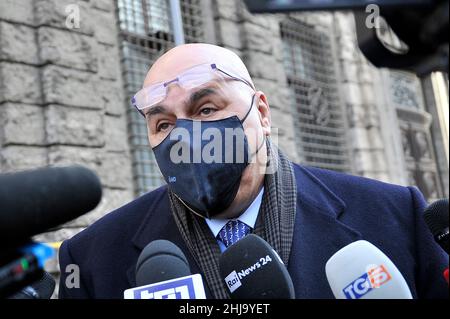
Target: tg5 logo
x=373, y=278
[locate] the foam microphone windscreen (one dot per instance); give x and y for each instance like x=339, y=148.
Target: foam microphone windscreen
x=159, y=261
x=436, y=217
x=32, y=202
x=252, y=269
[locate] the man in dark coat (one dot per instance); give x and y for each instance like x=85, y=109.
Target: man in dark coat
x=306, y=214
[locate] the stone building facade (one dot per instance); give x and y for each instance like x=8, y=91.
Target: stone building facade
x=65, y=92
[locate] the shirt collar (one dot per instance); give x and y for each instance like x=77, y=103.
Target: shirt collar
x=248, y=217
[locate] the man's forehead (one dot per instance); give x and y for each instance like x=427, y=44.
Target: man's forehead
x=164, y=73
x=187, y=56
x=161, y=73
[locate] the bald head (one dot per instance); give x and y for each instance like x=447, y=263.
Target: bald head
x=185, y=56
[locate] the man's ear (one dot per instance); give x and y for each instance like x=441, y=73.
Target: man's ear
x=264, y=112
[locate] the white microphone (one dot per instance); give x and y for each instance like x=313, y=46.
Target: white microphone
x=362, y=271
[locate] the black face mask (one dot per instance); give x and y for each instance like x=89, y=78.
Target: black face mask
x=203, y=163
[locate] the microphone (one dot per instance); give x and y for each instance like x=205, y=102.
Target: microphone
x=31, y=202
x=436, y=217
x=362, y=271
x=159, y=261
x=41, y=289
x=252, y=269
x=162, y=272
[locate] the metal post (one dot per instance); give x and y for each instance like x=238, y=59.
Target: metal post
x=177, y=22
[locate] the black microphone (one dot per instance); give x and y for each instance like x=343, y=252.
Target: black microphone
x=162, y=272
x=32, y=202
x=253, y=270
x=41, y=289
x=436, y=217
x=160, y=260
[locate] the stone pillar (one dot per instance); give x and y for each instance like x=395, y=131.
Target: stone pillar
x=433, y=101
x=359, y=85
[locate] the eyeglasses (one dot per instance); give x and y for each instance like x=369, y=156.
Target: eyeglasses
x=189, y=79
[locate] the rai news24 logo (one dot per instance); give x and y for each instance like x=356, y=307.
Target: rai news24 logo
x=189, y=287
x=374, y=278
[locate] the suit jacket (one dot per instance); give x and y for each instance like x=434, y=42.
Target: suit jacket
x=333, y=210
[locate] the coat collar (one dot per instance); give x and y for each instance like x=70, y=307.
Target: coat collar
x=318, y=234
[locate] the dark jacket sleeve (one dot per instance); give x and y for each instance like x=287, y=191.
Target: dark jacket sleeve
x=431, y=259
x=71, y=284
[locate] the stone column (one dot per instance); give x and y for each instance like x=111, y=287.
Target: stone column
x=359, y=86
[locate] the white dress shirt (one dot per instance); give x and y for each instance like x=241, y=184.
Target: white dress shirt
x=248, y=217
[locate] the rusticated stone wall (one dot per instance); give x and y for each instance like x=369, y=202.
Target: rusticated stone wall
x=61, y=97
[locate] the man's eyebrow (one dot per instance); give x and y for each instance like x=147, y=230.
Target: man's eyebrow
x=198, y=95
x=154, y=110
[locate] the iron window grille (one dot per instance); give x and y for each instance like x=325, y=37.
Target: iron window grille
x=320, y=127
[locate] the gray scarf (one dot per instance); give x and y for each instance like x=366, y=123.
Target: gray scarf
x=275, y=221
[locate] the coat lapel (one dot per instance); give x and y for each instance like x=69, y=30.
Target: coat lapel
x=318, y=234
